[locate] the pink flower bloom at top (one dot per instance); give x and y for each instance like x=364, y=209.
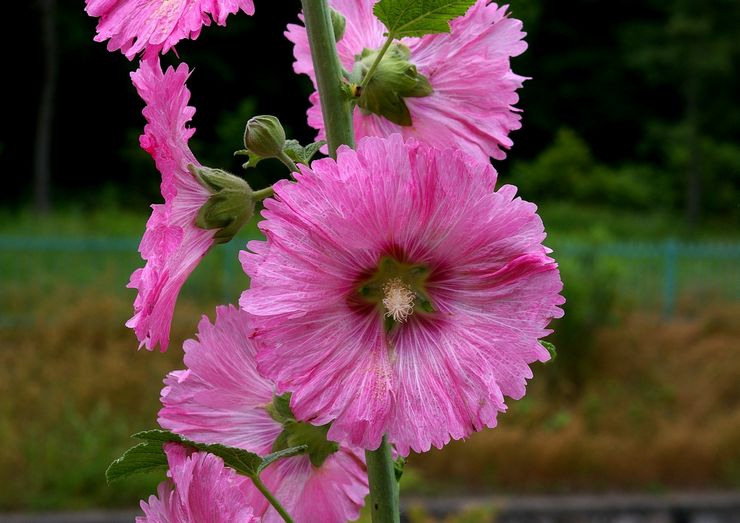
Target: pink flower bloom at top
x=172, y=244
x=474, y=90
x=397, y=293
x=222, y=398
x=200, y=490
x=157, y=25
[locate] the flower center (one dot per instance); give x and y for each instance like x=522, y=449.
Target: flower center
x=398, y=300
x=396, y=290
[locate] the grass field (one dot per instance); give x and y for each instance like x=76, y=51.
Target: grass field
x=634, y=401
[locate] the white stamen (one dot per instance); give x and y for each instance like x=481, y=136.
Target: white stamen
x=398, y=300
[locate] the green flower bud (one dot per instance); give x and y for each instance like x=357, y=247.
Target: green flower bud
x=230, y=206
x=394, y=79
x=338, y=23
x=264, y=136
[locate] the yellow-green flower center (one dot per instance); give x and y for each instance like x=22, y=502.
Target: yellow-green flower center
x=397, y=290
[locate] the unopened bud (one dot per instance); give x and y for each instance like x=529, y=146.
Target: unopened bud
x=264, y=136
x=230, y=206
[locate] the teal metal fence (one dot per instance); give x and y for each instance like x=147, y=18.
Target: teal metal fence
x=655, y=276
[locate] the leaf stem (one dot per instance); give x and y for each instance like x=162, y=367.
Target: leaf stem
x=378, y=58
x=290, y=164
x=335, y=106
x=263, y=193
x=274, y=502
x=383, y=485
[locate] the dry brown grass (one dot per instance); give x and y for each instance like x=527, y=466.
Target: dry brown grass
x=660, y=409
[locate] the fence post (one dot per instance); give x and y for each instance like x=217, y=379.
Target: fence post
x=670, y=258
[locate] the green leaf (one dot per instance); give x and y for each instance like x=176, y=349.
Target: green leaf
x=144, y=457
x=419, y=17
x=149, y=455
x=551, y=349
x=300, y=154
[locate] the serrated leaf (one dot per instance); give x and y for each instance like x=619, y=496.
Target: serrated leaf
x=550, y=348
x=149, y=455
x=312, y=149
x=419, y=17
x=144, y=457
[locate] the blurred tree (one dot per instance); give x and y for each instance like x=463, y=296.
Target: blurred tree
x=42, y=156
x=695, y=50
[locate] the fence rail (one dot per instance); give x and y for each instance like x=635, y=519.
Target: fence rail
x=656, y=275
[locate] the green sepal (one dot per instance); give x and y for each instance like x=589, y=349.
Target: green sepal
x=338, y=24
x=551, y=349
x=299, y=154
x=394, y=80
x=149, y=456
x=398, y=466
x=230, y=206
x=252, y=158
x=419, y=17
x=297, y=433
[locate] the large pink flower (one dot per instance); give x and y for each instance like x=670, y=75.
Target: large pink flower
x=221, y=398
x=172, y=244
x=157, y=25
x=472, y=106
x=200, y=489
x=397, y=293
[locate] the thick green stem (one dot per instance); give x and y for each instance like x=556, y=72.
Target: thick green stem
x=383, y=485
x=274, y=502
x=336, y=109
x=335, y=105
x=377, y=61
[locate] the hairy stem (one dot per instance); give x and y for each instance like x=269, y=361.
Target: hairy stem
x=383, y=484
x=335, y=105
x=263, y=193
x=274, y=502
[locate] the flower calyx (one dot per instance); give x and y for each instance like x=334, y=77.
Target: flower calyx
x=394, y=79
x=296, y=433
x=230, y=206
x=338, y=24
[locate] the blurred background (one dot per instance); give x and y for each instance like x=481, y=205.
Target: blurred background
x=630, y=147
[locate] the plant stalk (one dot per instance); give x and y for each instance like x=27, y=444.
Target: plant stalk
x=274, y=502
x=377, y=61
x=335, y=105
x=383, y=485
x=337, y=111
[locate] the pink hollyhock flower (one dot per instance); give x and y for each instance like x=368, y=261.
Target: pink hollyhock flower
x=221, y=398
x=200, y=489
x=474, y=90
x=398, y=294
x=157, y=25
x=172, y=244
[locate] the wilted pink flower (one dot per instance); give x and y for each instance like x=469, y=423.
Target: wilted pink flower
x=172, y=245
x=397, y=293
x=221, y=398
x=157, y=25
x=200, y=489
x=472, y=106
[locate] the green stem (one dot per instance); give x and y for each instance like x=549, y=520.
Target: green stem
x=274, y=502
x=383, y=485
x=376, y=63
x=263, y=193
x=290, y=164
x=336, y=109
x=335, y=106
